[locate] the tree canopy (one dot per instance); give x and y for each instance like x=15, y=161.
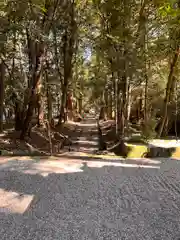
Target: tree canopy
x=61, y=58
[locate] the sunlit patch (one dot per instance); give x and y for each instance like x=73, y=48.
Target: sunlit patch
x=94, y=139
x=164, y=143
x=13, y=202
x=43, y=168
x=93, y=124
x=176, y=154
x=49, y=167
x=145, y=160
x=84, y=149
x=137, y=151
x=124, y=165
x=112, y=157
x=93, y=143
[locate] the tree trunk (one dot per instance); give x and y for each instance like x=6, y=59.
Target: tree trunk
x=124, y=90
x=40, y=103
x=117, y=105
x=40, y=111
x=124, y=80
x=80, y=100
x=128, y=106
x=145, y=100
x=110, y=101
x=70, y=107
x=102, y=115
x=36, y=50
x=106, y=101
x=124, y=107
x=19, y=116
x=68, y=50
x=2, y=79
x=63, y=109
x=146, y=69
x=49, y=104
x=7, y=118
x=35, y=80
x=168, y=90
x=48, y=95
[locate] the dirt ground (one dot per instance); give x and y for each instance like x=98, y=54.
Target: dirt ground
x=38, y=142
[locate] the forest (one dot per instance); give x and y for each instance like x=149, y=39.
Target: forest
x=61, y=58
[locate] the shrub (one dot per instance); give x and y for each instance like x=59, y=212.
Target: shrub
x=149, y=130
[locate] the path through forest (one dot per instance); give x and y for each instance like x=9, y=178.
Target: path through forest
x=85, y=138
x=79, y=195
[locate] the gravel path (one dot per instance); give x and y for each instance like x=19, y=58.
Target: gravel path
x=90, y=199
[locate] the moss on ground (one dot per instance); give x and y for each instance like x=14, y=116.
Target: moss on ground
x=140, y=151
x=137, y=151
x=176, y=153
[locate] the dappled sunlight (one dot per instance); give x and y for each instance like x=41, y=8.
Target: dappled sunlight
x=87, y=150
x=93, y=143
x=111, y=157
x=165, y=143
x=124, y=165
x=44, y=168
x=145, y=160
x=13, y=202
x=93, y=138
x=88, y=124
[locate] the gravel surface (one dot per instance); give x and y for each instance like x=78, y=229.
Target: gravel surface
x=88, y=203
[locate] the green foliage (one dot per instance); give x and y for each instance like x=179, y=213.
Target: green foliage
x=125, y=41
x=148, y=131
x=169, y=8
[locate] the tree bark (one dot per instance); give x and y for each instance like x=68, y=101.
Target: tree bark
x=70, y=107
x=116, y=94
x=36, y=51
x=35, y=80
x=49, y=96
x=110, y=101
x=7, y=118
x=40, y=103
x=168, y=90
x=63, y=113
x=106, y=101
x=124, y=90
x=19, y=115
x=2, y=79
x=49, y=104
x=129, y=105
x=145, y=100
x=80, y=100
x=68, y=51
